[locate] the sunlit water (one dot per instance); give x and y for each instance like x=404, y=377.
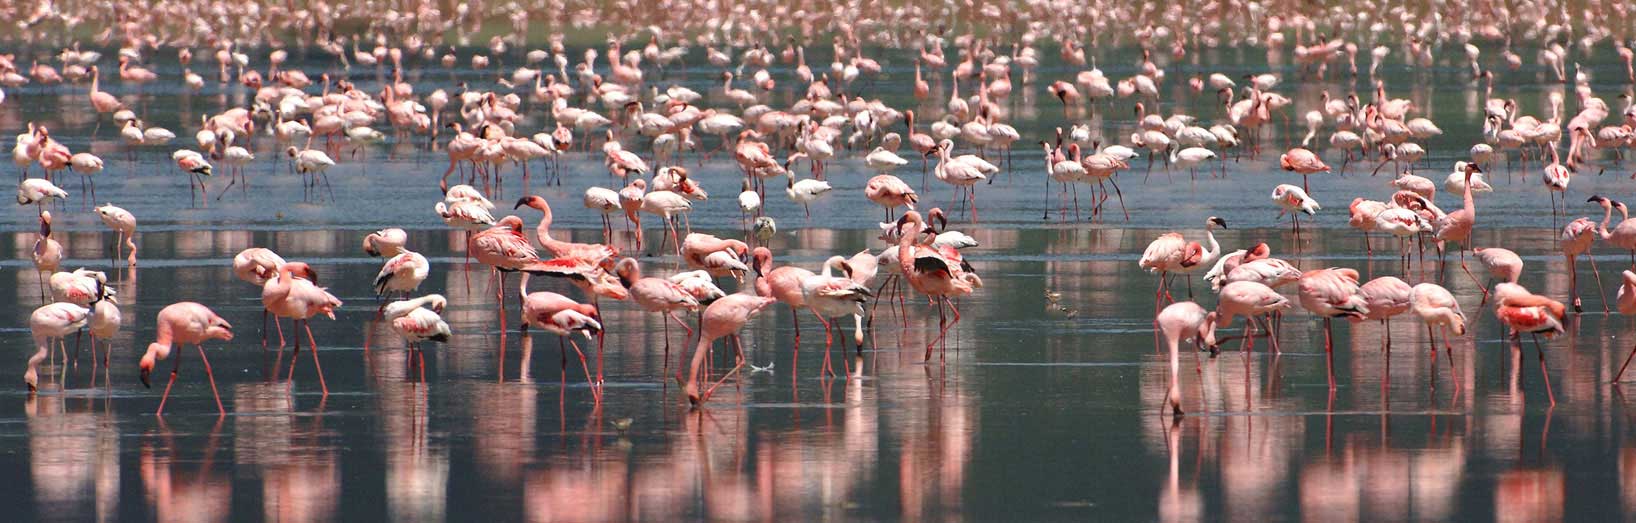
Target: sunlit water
x=1036, y=411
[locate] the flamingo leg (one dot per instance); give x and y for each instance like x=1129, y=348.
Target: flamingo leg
x=1542, y=372
x=1622, y=368
x=212, y=377
x=596, y=394
x=175, y=366
x=1329, y=353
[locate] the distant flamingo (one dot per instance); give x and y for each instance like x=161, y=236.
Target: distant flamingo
x=183, y=323
x=1302, y=162
x=890, y=192
x=47, y=254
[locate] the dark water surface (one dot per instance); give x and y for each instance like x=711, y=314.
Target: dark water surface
x=1037, y=413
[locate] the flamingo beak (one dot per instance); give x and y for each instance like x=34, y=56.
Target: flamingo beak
x=145, y=382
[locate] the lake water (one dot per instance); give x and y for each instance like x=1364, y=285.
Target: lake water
x=1040, y=410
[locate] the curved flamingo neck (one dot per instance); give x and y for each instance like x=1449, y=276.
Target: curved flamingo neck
x=906, y=249
x=1215, y=248
x=1607, y=216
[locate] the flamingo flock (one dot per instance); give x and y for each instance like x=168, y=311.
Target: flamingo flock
x=618, y=110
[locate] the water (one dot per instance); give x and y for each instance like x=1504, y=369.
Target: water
x=1034, y=413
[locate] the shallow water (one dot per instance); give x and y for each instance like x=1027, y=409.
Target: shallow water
x=1033, y=413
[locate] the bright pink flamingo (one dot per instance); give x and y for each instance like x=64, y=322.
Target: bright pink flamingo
x=1182, y=320
x=49, y=322
x=1332, y=293
x=1302, y=162
x=1456, y=226
x=930, y=273
x=184, y=323
x=1249, y=299
x=299, y=299
x=592, y=252
x=1438, y=308
x=1529, y=313
x=563, y=317
x=724, y=317
x=255, y=266
x=890, y=192
x=657, y=295
x=630, y=200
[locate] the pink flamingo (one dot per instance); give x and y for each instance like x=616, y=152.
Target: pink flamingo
x=563, y=317
x=1529, y=313
x=505, y=249
x=124, y=225
x=1627, y=306
x=657, y=295
x=184, y=323
x=1250, y=299
x=255, y=266
x=720, y=257
x=1302, y=162
x=1502, y=264
x=592, y=252
x=722, y=318
x=1456, y=226
x=930, y=273
x=1386, y=296
x=49, y=322
x=1576, y=239
x=1332, y=293
x=890, y=192
x=299, y=299
x=1438, y=308
x=1622, y=235
x=782, y=284
x=1182, y=320
x=47, y=252
x=417, y=320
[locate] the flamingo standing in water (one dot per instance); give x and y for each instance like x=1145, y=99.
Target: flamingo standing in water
x=1302, y=162
x=417, y=320
x=563, y=317
x=299, y=299
x=49, y=322
x=1437, y=307
x=255, y=266
x=1182, y=320
x=124, y=225
x=930, y=273
x=181, y=324
x=1250, y=299
x=1171, y=252
x=1386, y=296
x=1332, y=293
x=1528, y=313
x=722, y=318
x=1576, y=239
x=657, y=295
x=1627, y=306
x=47, y=254
x=830, y=296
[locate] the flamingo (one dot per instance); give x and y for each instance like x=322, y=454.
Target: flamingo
x=931, y=274
x=658, y=295
x=183, y=323
x=299, y=299
x=1171, y=252
x=1303, y=162
x=1627, y=306
x=890, y=192
x=47, y=253
x=1386, y=296
x=834, y=297
x=418, y=320
x=1438, y=308
x=1528, y=313
x=1182, y=320
x=1332, y=293
x=86, y=164
x=37, y=192
x=51, y=321
x=1250, y=299
x=559, y=315
x=1576, y=239
x=1292, y=200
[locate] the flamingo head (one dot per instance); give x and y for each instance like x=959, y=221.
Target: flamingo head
x=533, y=201
x=1258, y=252
x=300, y=270
x=1213, y=222
x=511, y=222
